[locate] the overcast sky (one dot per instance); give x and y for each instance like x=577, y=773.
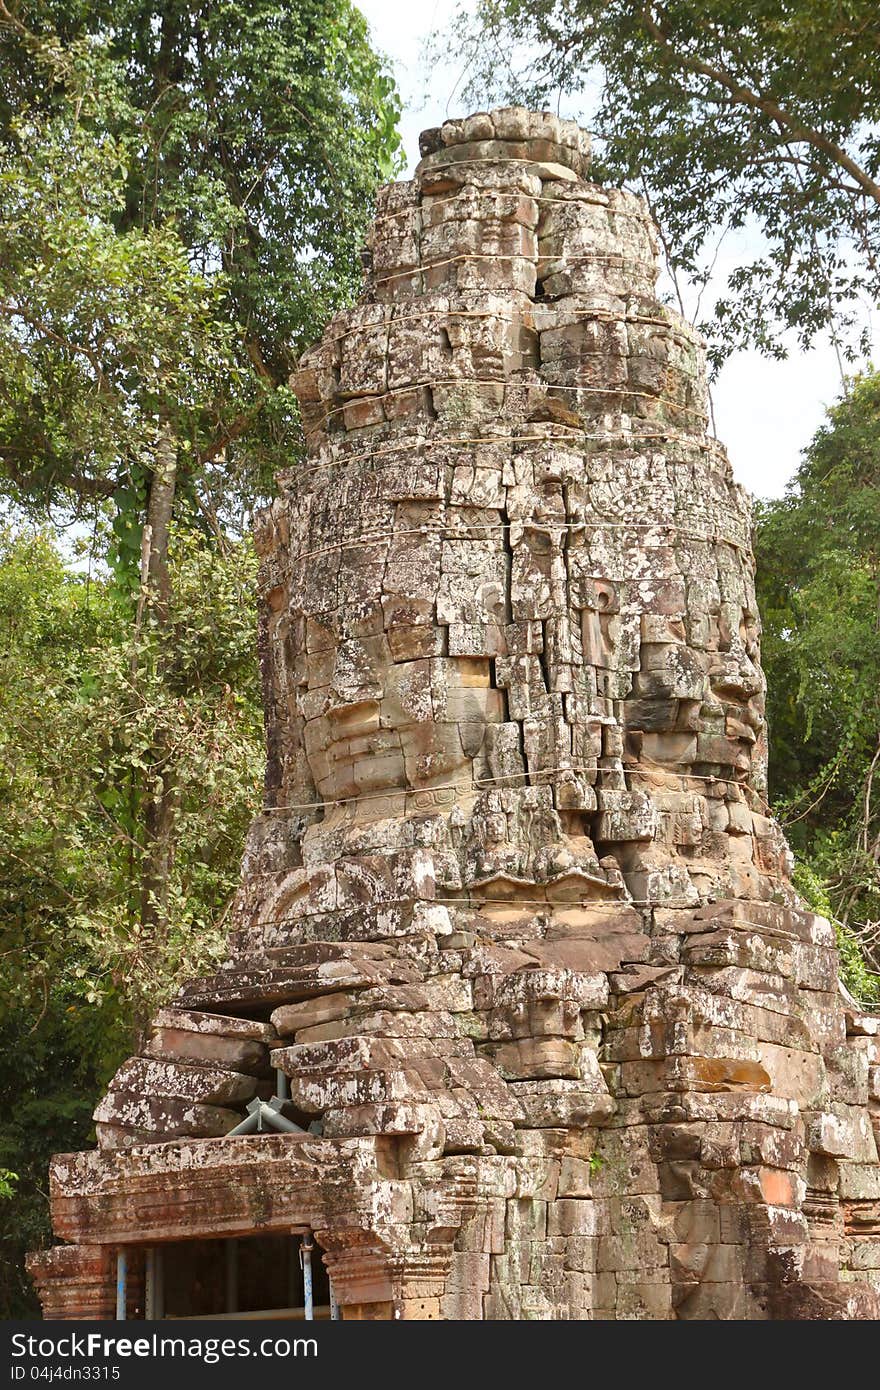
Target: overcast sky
x=765, y=411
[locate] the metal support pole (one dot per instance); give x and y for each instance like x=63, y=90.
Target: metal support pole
x=264, y=1115
x=231, y=1276
x=250, y=1123
x=305, y=1254
x=334, y=1304
x=270, y=1111
x=121, y=1283
x=282, y=1090
x=150, y=1284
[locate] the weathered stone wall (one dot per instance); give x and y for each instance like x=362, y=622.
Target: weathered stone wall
x=516, y=922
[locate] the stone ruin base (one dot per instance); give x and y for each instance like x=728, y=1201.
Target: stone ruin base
x=718, y=1162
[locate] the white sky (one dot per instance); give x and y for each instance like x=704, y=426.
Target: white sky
x=765, y=411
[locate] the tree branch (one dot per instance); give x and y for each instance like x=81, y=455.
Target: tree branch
x=95, y=488
x=14, y=310
x=233, y=431
x=745, y=96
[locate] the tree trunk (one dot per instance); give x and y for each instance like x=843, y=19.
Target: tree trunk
x=159, y=510
x=156, y=595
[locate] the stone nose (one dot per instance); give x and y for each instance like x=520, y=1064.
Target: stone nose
x=356, y=676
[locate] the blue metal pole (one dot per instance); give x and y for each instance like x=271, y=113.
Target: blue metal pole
x=121, y=1284
x=305, y=1253
x=334, y=1304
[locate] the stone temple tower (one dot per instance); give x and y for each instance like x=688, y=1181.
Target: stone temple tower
x=550, y=1033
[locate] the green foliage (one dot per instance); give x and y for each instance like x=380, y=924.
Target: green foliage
x=102, y=333
x=79, y=968
x=855, y=971
x=268, y=125
x=818, y=552
x=725, y=113
x=811, y=887
x=265, y=127
x=77, y=764
x=51, y=1071
x=185, y=191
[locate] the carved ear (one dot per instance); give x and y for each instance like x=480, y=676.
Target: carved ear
x=301, y=891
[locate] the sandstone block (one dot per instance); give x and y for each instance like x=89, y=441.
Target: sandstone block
x=208, y=1049
x=191, y=1083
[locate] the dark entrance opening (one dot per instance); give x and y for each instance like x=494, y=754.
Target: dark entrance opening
x=248, y=1277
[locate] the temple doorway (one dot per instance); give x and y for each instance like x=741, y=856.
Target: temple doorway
x=267, y=1276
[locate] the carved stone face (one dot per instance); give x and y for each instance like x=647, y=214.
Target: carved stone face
x=521, y=571
x=384, y=712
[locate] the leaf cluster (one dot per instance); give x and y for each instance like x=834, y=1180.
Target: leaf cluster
x=185, y=188
x=79, y=969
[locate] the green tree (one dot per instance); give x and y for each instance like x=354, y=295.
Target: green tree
x=725, y=113
x=115, y=359
x=107, y=339
x=818, y=552
x=81, y=965
x=248, y=138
